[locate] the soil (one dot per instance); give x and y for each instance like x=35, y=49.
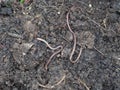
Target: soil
x=96, y=24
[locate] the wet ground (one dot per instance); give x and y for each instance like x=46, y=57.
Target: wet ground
x=36, y=32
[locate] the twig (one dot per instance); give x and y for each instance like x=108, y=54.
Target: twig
x=14, y=35
x=98, y=51
x=52, y=86
x=74, y=39
x=102, y=28
x=52, y=48
x=106, y=55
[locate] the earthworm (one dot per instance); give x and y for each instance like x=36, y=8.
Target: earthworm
x=79, y=54
x=52, y=48
x=55, y=53
x=40, y=39
x=52, y=86
x=74, y=39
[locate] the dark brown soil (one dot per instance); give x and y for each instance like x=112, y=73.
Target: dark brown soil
x=96, y=24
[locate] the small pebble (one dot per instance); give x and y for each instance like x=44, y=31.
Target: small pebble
x=58, y=12
x=90, y=5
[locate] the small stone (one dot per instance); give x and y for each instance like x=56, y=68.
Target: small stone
x=58, y=12
x=90, y=5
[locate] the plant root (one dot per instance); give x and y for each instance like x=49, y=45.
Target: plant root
x=84, y=84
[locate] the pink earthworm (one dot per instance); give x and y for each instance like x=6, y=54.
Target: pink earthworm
x=74, y=39
x=52, y=48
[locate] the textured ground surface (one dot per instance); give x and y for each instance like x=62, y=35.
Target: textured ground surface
x=96, y=24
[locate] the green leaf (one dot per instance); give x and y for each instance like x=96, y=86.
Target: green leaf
x=21, y=1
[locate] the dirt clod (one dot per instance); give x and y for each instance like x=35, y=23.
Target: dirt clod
x=86, y=38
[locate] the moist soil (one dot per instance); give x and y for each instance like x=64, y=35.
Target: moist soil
x=96, y=24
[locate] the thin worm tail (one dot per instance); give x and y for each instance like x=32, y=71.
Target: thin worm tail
x=77, y=56
x=40, y=39
x=55, y=53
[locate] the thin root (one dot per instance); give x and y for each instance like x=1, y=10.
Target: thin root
x=52, y=48
x=52, y=86
x=98, y=51
x=74, y=39
x=84, y=84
